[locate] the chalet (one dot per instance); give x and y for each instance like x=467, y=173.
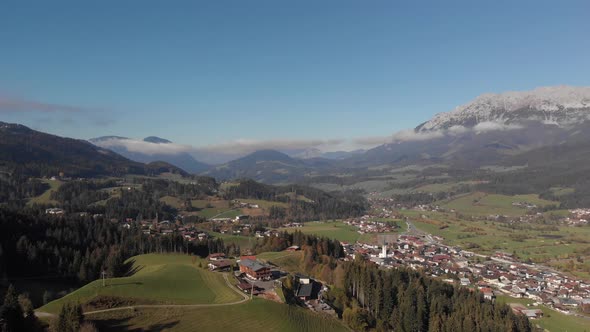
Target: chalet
x=216, y=256
x=292, y=248
x=254, y=269
x=219, y=265
x=305, y=291
x=533, y=313
x=241, y=217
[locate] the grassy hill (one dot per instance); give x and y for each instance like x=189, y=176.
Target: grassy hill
x=482, y=204
x=158, y=278
x=257, y=315
x=45, y=198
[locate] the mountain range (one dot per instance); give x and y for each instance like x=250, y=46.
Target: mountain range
x=148, y=150
x=493, y=129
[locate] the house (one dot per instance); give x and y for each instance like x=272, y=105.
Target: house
x=305, y=291
x=533, y=313
x=292, y=248
x=488, y=293
x=219, y=265
x=241, y=217
x=465, y=281
x=254, y=269
x=302, y=279
x=216, y=256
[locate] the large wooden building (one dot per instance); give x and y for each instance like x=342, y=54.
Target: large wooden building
x=254, y=269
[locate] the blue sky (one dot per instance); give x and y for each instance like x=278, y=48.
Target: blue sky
x=205, y=73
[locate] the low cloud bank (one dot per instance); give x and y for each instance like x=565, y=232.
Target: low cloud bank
x=149, y=148
x=15, y=105
x=409, y=135
x=219, y=153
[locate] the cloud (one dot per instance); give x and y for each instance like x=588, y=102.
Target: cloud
x=240, y=146
x=494, y=126
x=140, y=146
x=409, y=135
x=372, y=140
x=68, y=114
x=412, y=135
x=17, y=105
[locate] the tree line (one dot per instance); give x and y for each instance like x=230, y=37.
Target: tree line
x=406, y=300
x=303, y=203
x=79, y=248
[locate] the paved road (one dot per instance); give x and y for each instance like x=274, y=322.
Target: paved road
x=245, y=298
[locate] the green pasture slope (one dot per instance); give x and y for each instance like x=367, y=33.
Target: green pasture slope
x=160, y=278
x=256, y=315
x=482, y=204
x=45, y=198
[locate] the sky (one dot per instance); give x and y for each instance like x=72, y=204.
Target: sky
x=327, y=74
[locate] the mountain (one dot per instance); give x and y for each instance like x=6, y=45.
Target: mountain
x=36, y=153
x=560, y=105
x=490, y=128
x=155, y=139
x=151, y=149
x=267, y=166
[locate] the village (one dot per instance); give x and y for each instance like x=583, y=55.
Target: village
x=499, y=274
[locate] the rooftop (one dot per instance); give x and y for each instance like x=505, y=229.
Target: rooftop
x=252, y=264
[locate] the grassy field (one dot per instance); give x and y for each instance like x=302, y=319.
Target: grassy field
x=336, y=230
x=558, y=246
x=243, y=241
x=552, y=321
x=288, y=261
x=257, y=315
x=159, y=278
x=482, y=204
x=45, y=198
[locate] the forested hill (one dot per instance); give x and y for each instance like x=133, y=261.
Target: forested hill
x=33, y=153
x=306, y=203
x=403, y=300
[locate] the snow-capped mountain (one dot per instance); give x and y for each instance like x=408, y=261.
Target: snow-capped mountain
x=561, y=105
x=490, y=128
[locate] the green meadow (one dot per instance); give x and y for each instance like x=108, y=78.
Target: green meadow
x=160, y=278
x=256, y=315
x=45, y=198
x=483, y=204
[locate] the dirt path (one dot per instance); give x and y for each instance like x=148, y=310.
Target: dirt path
x=245, y=298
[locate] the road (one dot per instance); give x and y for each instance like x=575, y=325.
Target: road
x=245, y=298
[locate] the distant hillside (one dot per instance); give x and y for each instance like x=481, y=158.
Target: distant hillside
x=154, y=149
x=36, y=153
x=268, y=166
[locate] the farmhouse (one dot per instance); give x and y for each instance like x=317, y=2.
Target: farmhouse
x=216, y=256
x=254, y=269
x=292, y=248
x=304, y=292
x=219, y=265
